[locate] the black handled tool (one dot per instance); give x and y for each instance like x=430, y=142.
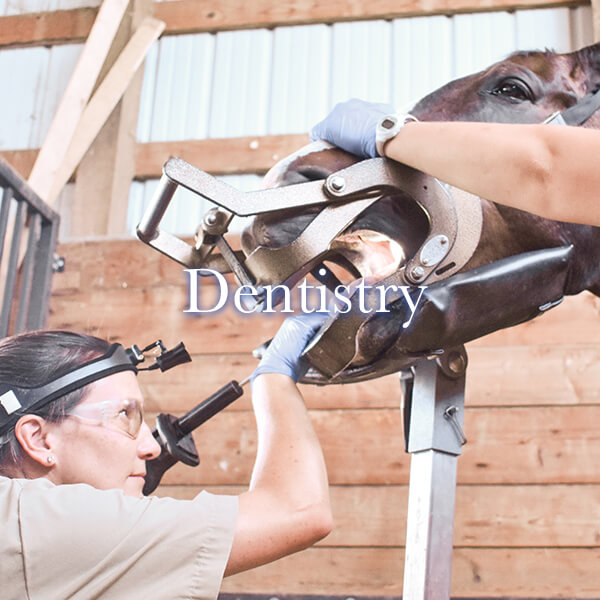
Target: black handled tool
x=174, y=435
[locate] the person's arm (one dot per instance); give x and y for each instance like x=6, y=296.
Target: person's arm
x=544, y=169
x=286, y=508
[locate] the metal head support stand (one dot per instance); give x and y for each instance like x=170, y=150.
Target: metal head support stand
x=433, y=421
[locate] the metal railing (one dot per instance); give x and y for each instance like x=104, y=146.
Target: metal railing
x=28, y=238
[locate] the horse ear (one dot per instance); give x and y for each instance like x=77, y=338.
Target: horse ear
x=588, y=59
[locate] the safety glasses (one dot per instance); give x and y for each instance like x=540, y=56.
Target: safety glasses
x=123, y=415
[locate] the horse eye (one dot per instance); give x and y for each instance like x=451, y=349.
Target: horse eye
x=513, y=89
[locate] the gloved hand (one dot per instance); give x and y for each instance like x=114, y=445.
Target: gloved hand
x=351, y=126
x=284, y=352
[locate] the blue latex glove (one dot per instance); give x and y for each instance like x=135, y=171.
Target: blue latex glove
x=351, y=126
x=285, y=350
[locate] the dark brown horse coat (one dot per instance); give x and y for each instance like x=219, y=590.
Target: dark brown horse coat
x=526, y=87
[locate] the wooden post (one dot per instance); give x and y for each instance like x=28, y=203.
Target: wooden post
x=105, y=174
x=596, y=19
x=75, y=98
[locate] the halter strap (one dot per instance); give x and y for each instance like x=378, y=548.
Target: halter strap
x=582, y=110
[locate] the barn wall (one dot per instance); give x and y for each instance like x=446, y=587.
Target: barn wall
x=527, y=522
x=257, y=82
x=528, y=499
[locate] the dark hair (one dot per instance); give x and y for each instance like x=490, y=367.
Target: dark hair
x=34, y=359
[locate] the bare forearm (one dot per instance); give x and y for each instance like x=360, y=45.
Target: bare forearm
x=289, y=457
x=287, y=506
x=544, y=169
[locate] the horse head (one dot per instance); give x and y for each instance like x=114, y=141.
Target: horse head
x=526, y=87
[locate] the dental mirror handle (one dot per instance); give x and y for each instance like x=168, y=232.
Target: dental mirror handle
x=174, y=435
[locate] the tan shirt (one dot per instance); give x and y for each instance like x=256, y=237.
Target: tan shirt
x=77, y=542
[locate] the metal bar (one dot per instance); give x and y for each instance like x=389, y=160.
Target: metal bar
x=11, y=275
x=42, y=276
x=32, y=298
x=27, y=273
x=7, y=195
x=22, y=189
x=435, y=439
x=147, y=229
x=430, y=526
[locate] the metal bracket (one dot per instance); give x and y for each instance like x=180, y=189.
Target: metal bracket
x=344, y=195
x=434, y=399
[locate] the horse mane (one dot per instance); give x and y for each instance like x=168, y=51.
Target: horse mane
x=589, y=53
x=589, y=59
x=546, y=52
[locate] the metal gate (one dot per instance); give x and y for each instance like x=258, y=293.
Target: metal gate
x=28, y=238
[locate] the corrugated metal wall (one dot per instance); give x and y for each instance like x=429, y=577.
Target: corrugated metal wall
x=277, y=81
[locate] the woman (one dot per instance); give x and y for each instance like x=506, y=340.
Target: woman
x=74, y=522
x=553, y=168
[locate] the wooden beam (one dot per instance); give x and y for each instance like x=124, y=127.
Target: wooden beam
x=219, y=156
x=596, y=19
x=106, y=98
x=476, y=573
x=20, y=160
x=194, y=16
x=108, y=167
x=39, y=29
x=528, y=445
x=514, y=516
x=75, y=98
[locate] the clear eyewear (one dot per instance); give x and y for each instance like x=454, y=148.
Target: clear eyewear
x=121, y=415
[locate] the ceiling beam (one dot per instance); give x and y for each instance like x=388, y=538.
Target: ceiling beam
x=195, y=16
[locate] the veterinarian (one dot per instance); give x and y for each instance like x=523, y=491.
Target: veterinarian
x=73, y=450
x=547, y=170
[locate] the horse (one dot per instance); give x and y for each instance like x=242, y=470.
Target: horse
x=525, y=87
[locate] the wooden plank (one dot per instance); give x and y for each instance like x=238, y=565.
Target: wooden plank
x=222, y=156
x=20, y=160
x=365, y=447
x=120, y=312
x=486, y=516
x=538, y=376
x=124, y=314
x=104, y=176
x=56, y=27
x=192, y=16
x=188, y=16
x=75, y=98
x=105, y=99
x=596, y=19
x=255, y=154
x=478, y=573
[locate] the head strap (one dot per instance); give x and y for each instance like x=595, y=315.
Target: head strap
x=18, y=401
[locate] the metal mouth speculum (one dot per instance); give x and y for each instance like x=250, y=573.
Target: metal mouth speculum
x=343, y=196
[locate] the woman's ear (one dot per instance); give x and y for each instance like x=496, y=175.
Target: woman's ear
x=32, y=433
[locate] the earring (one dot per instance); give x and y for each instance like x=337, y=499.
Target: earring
x=50, y=459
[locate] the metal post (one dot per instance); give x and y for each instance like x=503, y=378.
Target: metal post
x=435, y=404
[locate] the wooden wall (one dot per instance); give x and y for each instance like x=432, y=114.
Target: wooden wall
x=528, y=502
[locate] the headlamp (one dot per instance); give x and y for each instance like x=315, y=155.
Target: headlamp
x=18, y=401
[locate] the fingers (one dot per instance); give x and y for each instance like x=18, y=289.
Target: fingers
x=351, y=126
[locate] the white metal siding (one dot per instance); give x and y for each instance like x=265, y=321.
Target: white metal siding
x=38, y=77
x=276, y=81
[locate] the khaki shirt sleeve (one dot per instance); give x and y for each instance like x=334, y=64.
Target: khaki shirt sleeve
x=83, y=543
